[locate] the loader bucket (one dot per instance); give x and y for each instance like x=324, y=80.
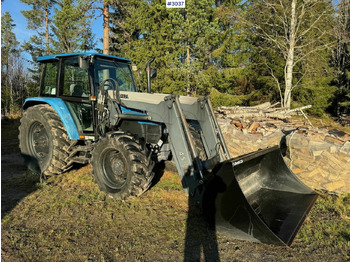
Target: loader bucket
x=257, y=198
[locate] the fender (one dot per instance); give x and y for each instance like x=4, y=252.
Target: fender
x=61, y=109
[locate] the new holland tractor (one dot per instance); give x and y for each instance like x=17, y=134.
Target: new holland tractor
x=90, y=111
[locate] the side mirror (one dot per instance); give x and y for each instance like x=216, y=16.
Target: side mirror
x=153, y=72
x=83, y=63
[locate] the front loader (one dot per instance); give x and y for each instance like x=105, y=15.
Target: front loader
x=89, y=110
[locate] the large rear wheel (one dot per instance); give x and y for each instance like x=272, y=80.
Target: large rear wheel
x=43, y=140
x=122, y=165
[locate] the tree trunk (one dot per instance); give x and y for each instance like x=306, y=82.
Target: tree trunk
x=105, y=27
x=288, y=70
x=10, y=82
x=7, y=102
x=47, y=29
x=188, y=91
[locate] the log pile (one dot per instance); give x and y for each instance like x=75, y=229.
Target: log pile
x=321, y=160
x=263, y=111
x=344, y=120
x=319, y=157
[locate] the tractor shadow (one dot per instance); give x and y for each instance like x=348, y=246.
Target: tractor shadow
x=16, y=181
x=158, y=170
x=200, y=239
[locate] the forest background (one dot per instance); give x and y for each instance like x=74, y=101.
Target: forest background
x=295, y=52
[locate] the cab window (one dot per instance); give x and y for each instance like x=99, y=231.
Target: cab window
x=75, y=79
x=116, y=70
x=49, y=84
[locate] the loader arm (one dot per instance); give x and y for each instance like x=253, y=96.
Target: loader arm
x=174, y=111
x=254, y=197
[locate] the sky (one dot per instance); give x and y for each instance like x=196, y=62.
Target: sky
x=21, y=31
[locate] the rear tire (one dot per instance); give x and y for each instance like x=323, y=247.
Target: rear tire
x=122, y=166
x=43, y=140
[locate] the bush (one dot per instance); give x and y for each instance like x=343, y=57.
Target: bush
x=220, y=99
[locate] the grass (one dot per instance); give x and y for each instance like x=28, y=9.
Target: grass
x=329, y=222
x=325, y=121
x=69, y=219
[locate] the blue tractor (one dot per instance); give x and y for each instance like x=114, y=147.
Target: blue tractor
x=90, y=111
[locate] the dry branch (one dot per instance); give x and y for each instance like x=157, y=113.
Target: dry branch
x=265, y=110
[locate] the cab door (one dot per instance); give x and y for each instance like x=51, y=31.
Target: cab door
x=75, y=90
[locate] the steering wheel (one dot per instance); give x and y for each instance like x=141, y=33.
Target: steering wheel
x=110, y=82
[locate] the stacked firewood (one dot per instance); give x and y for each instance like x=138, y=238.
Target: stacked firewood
x=318, y=156
x=262, y=112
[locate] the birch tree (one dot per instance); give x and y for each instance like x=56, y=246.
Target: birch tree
x=295, y=31
x=341, y=58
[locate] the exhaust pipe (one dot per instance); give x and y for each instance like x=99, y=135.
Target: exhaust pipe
x=148, y=70
x=257, y=198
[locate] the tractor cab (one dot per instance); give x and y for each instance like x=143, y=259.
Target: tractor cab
x=77, y=78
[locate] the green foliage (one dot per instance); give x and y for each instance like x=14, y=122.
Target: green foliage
x=38, y=19
x=220, y=99
x=35, y=46
x=278, y=49
x=9, y=43
x=191, y=57
x=346, y=103
x=341, y=60
x=238, y=48
x=316, y=86
x=71, y=26
x=317, y=92
x=9, y=51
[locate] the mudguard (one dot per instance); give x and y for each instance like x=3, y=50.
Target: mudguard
x=61, y=109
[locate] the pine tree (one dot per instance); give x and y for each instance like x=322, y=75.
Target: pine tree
x=181, y=40
x=38, y=19
x=105, y=13
x=231, y=58
x=71, y=26
x=197, y=49
x=9, y=51
x=141, y=30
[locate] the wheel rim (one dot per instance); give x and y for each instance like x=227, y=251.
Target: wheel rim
x=114, y=169
x=38, y=139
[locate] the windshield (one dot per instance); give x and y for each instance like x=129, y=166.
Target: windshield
x=116, y=70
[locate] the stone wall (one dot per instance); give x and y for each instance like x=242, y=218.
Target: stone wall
x=320, y=160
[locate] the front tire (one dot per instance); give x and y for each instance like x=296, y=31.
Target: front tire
x=122, y=166
x=43, y=140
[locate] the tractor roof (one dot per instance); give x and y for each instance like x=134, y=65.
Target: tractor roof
x=55, y=57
